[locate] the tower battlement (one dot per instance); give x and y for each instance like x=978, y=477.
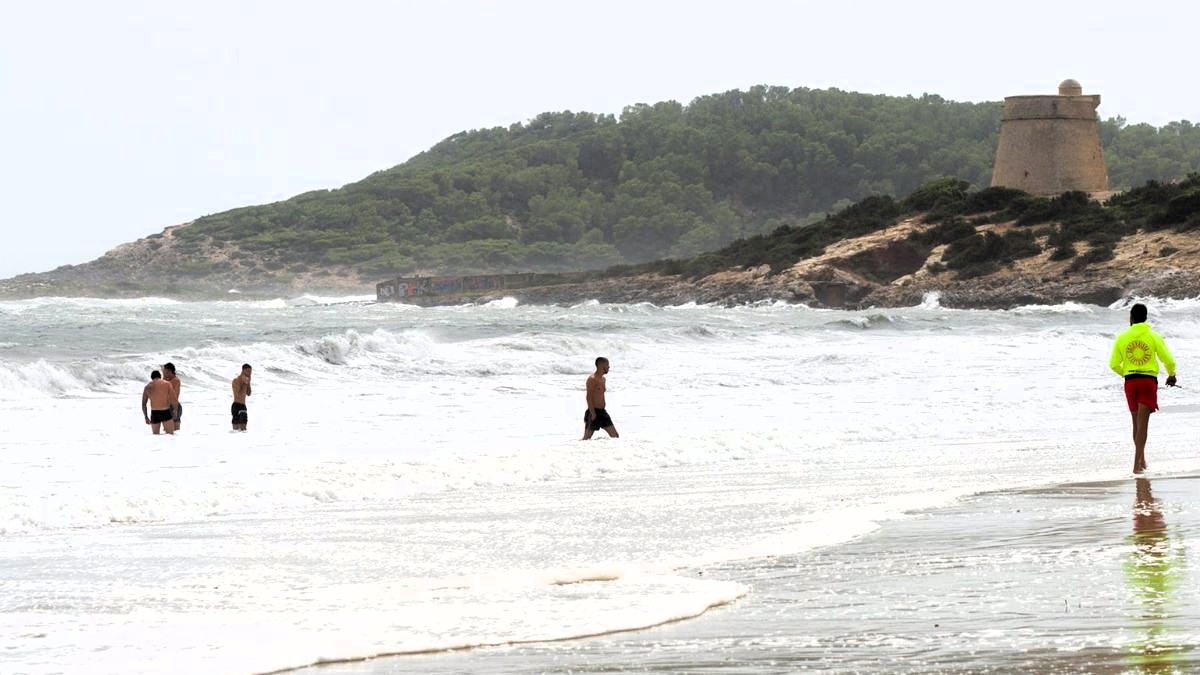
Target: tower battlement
x=1050, y=107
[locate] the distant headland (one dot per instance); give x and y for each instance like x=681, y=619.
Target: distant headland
x=766, y=193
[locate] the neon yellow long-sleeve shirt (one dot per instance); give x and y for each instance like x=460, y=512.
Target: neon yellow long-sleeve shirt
x=1138, y=350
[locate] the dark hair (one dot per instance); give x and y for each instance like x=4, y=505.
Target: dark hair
x=246, y=366
x=599, y=360
x=155, y=375
x=1137, y=313
x=169, y=366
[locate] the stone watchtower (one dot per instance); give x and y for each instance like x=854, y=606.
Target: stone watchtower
x=1051, y=144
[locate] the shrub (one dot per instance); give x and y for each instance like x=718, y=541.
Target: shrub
x=942, y=191
x=951, y=229
x=983, y=253
x=992, y=199
x=1064, y=251
x=1065, y=207
x=977, y=270
x=1180, y=208
x=1192, y=223
x=977, y=248
x=1096, y=255
x=1020, y=244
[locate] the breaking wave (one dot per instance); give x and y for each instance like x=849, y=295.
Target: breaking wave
x=412, y=352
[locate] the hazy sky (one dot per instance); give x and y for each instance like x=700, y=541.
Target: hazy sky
x=120, y=118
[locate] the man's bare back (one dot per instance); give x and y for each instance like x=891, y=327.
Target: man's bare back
x=160, y=395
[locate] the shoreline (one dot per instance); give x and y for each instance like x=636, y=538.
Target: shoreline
x=755, y=286
x=732, y=288
x=1078, y=577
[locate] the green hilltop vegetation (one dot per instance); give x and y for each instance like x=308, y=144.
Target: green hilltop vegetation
x=1065, y=223
x=579, y=190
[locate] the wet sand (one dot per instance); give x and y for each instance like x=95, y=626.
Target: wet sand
x=1089, y=577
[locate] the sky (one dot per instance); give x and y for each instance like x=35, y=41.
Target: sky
x=118, y=119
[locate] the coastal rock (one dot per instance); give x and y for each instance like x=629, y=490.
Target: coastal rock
x=883, y=268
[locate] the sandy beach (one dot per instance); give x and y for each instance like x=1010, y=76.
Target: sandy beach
x=1094, y=577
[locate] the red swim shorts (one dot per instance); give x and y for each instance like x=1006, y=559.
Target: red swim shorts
x=1141, y=390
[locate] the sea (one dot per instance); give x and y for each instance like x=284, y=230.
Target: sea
x=412, y=481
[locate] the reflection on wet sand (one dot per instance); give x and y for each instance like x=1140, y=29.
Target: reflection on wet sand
x=1153, y=570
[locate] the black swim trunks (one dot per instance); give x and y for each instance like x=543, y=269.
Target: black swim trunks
x=602, y=421
x=239, y=412
x=178, y=411
x=160, y=416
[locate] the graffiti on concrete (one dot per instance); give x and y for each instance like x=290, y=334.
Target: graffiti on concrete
x=399, y=288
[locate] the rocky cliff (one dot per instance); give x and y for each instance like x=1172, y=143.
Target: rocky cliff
x=885, y=269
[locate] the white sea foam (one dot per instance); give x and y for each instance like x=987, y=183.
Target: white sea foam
x=506, y=302
x=1064, y=308
x=691, y=304
x=127, y=303
x=310, y=300
x=411, y=479
x=645, y=601
x=1159, y=305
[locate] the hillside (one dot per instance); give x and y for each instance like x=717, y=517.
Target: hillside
x=579, y=190
x=992, y=248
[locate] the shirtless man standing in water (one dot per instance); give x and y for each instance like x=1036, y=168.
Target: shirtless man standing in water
x=596, y=417
x=161, y=396
x=241, y=389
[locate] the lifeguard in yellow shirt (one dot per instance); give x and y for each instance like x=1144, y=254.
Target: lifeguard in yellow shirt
x=1135, y=357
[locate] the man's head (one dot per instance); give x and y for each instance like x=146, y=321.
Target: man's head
x=246, y=369
x=601, y=365
x=155, y=375
x=169, y=368
x=1137, y=314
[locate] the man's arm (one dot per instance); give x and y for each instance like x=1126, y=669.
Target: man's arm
x=145, y=398
x=1116, y=361
x=1164, y=355
x=591, y=398
x=246, y=383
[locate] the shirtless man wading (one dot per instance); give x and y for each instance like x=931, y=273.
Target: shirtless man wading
x=595, y=417
x=169, y=375
x=241, y=389
x=161, y=396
